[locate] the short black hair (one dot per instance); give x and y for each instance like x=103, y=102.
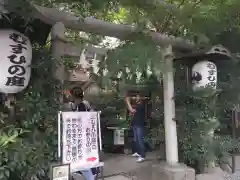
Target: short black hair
x=133, y=93
x=77, y=92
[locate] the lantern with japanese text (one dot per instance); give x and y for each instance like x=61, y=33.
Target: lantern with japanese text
x=204, y=75
x=15, y=60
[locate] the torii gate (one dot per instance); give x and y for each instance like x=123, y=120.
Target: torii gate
x=59, y=47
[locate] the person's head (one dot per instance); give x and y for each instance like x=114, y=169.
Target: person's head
x=78, y=92
x=138, y=98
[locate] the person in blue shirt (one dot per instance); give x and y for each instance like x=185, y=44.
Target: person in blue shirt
x=137, y=123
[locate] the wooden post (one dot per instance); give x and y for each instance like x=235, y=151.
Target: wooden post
x=169, y=108
x=57, y=37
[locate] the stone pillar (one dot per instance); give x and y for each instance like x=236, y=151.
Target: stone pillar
x=170, y=170
x=57, y=37
x=169, y=108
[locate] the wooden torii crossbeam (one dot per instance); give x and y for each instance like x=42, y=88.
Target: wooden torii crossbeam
x=52, y=16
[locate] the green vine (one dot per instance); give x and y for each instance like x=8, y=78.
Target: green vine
x=28, y=146
x=196, y=125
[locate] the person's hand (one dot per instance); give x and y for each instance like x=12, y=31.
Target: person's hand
x=132, y=110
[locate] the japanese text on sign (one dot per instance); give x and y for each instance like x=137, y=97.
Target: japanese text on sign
x=17, y=69
x=212, y=71
x=93, y=134
x=80, y=138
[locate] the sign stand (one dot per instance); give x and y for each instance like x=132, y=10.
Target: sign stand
x=99, y=131
x=59, y=134
x=79, y=116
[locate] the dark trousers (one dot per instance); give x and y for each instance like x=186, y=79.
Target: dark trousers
x=138, y=140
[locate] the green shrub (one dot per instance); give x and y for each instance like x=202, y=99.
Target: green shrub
x=29, y=145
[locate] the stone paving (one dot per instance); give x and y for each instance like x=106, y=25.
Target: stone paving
x=125, y=167
x=125, y=164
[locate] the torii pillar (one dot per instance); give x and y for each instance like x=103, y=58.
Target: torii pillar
x=169, y=108
x=171, y=169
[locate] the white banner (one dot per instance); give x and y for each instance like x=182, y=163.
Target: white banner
x=80, y=139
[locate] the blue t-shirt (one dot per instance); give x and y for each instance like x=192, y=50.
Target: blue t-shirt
x=139, y=116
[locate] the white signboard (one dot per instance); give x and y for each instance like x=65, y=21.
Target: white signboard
x=119, y=137
x=80, y=139
x=15, y=60
x=204, y=74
